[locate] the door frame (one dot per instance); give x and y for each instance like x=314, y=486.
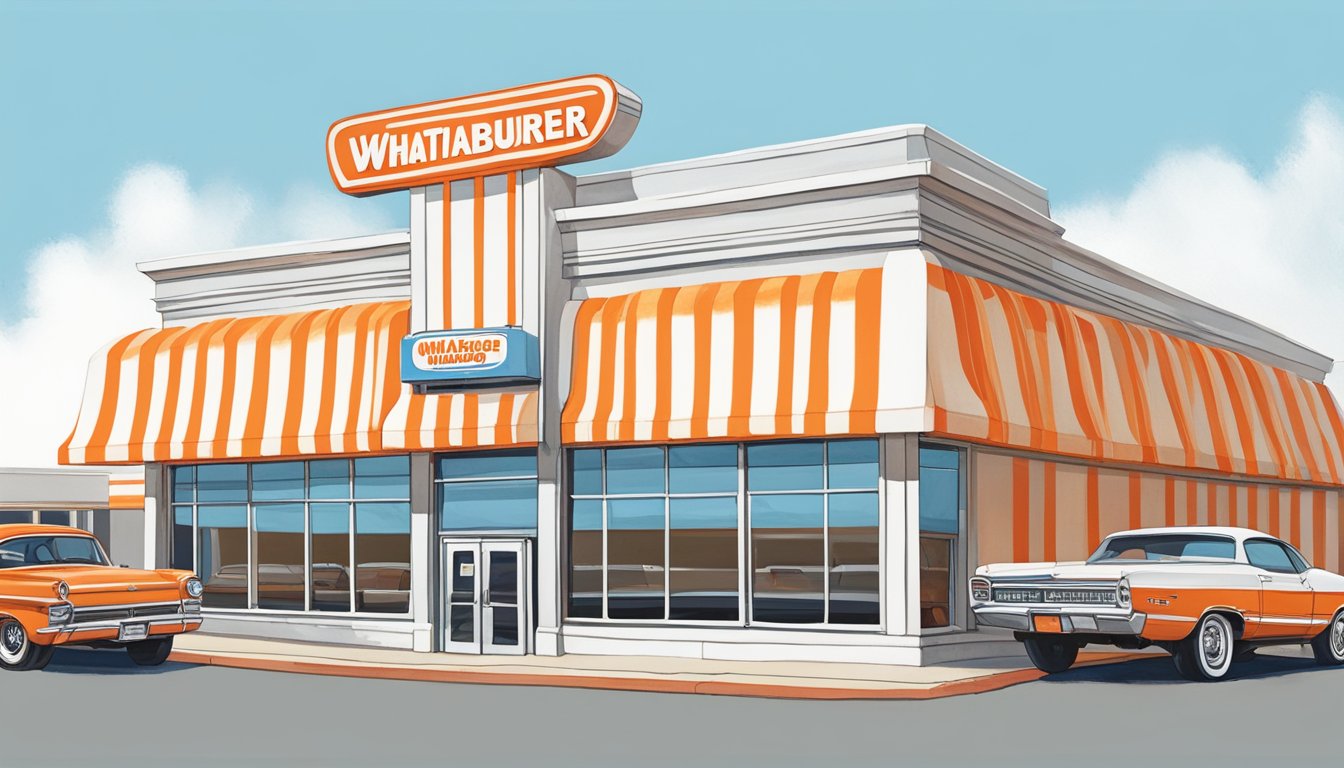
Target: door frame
x=482, y=546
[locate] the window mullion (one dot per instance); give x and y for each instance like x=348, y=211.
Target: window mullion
x=667, y=536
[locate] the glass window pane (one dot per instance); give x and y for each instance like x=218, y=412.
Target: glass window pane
x=181, y=556
x=784, y=466
x=222, y=540
x=488, y=505
x=383, y=477
x=329, y=479
x=279, y=556
x=935, y=581
x=852, y=463
x=635, y=470
x=382, y=556
x=702, y=468
x=585, y=559
x=703, y=570
x=789, y=557
x=330, y=534
x=939, y=500
x=939, y=458
x=10, y=516
x=53, y=517
x=587, y=472
x=487, y=464
x=277, y=481
x=1269, y=556
x=184, y=484
x=221, y=482
x=635, y=558
x=854, y=574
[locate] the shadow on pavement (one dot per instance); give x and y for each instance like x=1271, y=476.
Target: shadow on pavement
x=1161, y=670
x=87, y=661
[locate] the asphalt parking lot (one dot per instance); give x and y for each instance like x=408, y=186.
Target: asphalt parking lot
x=96, y=708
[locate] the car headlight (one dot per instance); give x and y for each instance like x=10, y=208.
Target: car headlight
x=1122, y=596
x=980, y=590
x=62, y=590
x=194, y=587
x=59, y=614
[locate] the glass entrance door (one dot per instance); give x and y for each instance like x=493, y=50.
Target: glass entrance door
x=486, y=603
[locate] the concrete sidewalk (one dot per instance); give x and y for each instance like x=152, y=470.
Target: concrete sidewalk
x=771, y=679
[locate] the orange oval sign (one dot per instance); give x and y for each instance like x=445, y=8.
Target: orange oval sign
x=531, y=126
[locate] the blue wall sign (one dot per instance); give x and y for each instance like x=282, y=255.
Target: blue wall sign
x=480, y=355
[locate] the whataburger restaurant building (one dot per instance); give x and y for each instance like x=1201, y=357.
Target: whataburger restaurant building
x=772, y=404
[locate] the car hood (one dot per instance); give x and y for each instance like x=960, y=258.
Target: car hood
x=1072, y=571
x=103, y=580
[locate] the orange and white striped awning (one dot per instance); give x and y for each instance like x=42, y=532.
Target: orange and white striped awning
x=461, y=420
x=767, y=357
x=313, y=383
x=1012, y=370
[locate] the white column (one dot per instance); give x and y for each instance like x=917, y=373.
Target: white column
x=422, y=552
x=900, y=531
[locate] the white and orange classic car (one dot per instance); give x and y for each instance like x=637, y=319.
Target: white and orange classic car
x=1207, y=595
x=58, y=588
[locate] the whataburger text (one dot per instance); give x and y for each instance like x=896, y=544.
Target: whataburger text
x=530, y=126
x=456, y=351
x=463, y=139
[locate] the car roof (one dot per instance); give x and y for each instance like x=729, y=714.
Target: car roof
x=10, y=530
x=1240, y=534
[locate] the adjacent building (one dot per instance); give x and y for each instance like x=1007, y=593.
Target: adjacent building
x=772, y=404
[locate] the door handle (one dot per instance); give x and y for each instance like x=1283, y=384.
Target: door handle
x=485, y=597
x=1264, y=578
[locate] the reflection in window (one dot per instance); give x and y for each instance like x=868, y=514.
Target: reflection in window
x=703, y=568
x=635, y=558
x=940, y=510
x=629, y=506
x=276, y=504
x=279, y=555
x=330, y=543
x=222, y=533
x=487, y=491
x=382, y=557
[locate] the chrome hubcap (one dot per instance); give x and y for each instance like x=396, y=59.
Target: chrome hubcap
x=1214, y=643
x=1337, y=638
x=13, y=637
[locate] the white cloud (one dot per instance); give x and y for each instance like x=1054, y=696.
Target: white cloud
x=84, y=291
x=1267, y=246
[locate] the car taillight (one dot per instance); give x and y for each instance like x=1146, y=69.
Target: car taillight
x=980, y=590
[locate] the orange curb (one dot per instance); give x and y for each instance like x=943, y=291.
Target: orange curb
x=984, y=684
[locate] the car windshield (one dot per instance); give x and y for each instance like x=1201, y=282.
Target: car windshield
x=1166, y=547
x=50, y=550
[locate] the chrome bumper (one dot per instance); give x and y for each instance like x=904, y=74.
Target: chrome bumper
x=1078, y=619
x=187, y=617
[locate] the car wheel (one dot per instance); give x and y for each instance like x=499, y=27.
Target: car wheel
x=17, y=652
x=1207, y=653
x=152, y=652
x=1051, y=654
x=1329, y=645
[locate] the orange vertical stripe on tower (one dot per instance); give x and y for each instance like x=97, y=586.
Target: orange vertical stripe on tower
x=1318, y=528
x=1274, y=501
x=1253, y=507
x=1211, y=504
x=1295, y=517
x=511, y=180
x=478, y=247
x=1191, y=502
x=1021, y=510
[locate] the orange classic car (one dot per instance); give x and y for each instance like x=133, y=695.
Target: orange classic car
x=57, y=587
x=1205, y=594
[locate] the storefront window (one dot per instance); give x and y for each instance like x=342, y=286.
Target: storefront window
x=940, y=511
x=487, y=491
x=329, y=535
x=661, y=533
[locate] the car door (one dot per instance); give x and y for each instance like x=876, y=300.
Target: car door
x=1285, y=596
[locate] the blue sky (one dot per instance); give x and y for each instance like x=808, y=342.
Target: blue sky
x=1077, y=96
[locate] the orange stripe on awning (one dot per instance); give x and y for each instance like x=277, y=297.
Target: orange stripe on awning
x=1184, y=405
x=324, y=382
x=756, y=358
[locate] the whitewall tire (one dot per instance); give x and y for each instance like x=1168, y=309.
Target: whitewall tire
x=17, y=650
x=1329, y=645
x=1207, y=653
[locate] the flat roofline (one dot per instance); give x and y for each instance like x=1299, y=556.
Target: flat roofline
x=276, y=250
